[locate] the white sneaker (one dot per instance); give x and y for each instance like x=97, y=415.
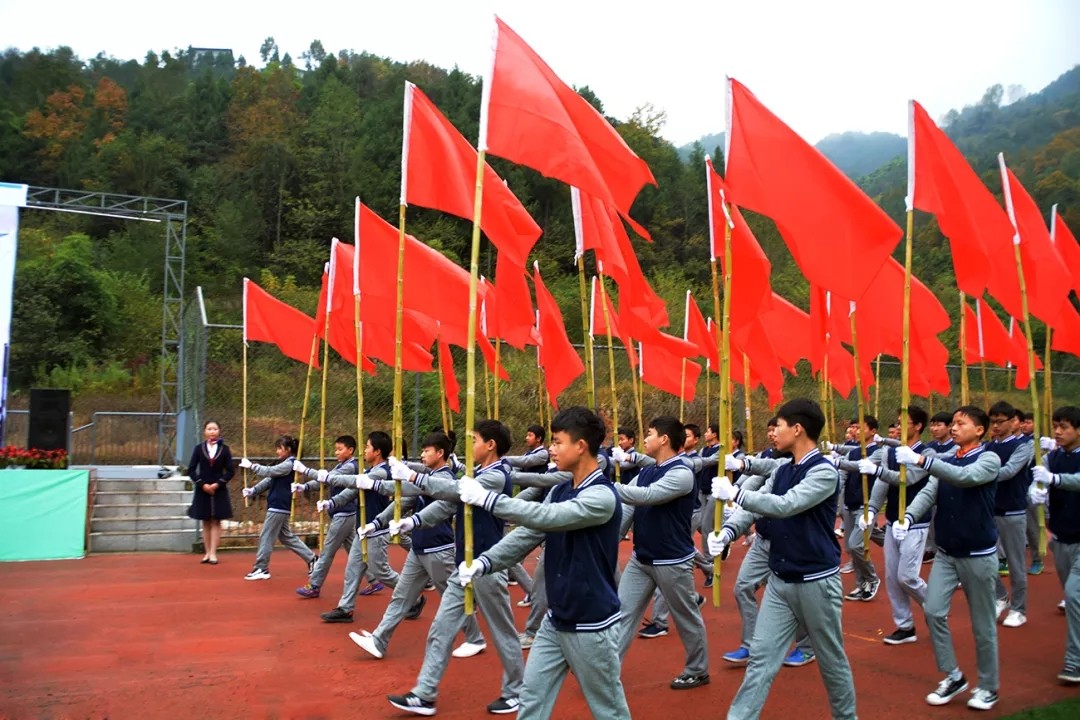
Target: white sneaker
x=468, y=649
x=999, y=607
x=525, y=602
x=1061, y=606
x=258, y=574
x=1014, y=619
x=367, y=641
x=982, y=699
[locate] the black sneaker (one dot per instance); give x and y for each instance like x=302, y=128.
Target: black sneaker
x=311, y=564
x=900, y=636
x=1069, y=674
x=708, y=580
x=504, y=706
x=337, y=615
x=856, y=594
x=415, y=610
x=429, y=587
x=870, y=590
x=652, y=630
x=928, y=556
x=412, y=703
x=946, y=690
x=687, y=681
x=700, y=599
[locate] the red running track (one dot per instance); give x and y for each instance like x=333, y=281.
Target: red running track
x=161, y=636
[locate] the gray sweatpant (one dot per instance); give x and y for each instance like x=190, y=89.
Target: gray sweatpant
x=1067, y=565
x=754, y=573
x=1032, y=531
x=341, y=532
x=676, y=582
x=977, y=576
x=414, y=575
x=356, y=568
x=493, y=601
x=1011, y=532
x=276, y=527
x=520, y=575
x=786, y=606
x=593, y=657
x=903, y=560
x=539, y=600
x=865, y=572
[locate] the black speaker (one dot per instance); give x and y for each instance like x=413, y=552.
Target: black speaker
x=49, y=419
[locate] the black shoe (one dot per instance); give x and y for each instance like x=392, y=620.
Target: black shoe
x=311, y=564
x=700, y=599
x=412, y=703
x=687, y=681
x=504, y=706
x=928, y=556
x=946, y=690
x=415, y=610
x=652, y=630
x=429, y=587
x=900, y=636
x=708, y=580
x=337, y=615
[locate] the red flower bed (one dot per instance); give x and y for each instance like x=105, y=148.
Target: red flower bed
x=32, y=459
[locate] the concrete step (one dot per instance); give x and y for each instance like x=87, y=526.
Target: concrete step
x=164, y=541
x=136, y=525
x=139, y=498
x=143, y=485
x=136, y=472
x=140, y=510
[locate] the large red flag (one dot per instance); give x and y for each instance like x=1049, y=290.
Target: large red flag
x=598, y=326
x=528, y=115
x=696, y=331
x=987, y=340
x=837, y=235
x=1019, y=340
x=635, y=322
x=451, y=388
x=790, y=331
x=1066, y=337
x=1066, y=246
x=668, y=372
x=558, y=357
x=512, y=315
x=438, y=170
x=267, y=319
x=337, y=337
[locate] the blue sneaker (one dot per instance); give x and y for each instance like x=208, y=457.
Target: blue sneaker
x=738, y=657
x=798, y=658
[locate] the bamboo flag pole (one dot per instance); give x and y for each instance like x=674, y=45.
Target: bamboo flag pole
x=399, y=412
x=862, y=435
x=877, y=386
x=611, y=364
x=905, y=352
x=498, y=364
x=1048, y=395
x=1041, y=509
x=982, y=350
x=243, y=423
x=635, y=378
x=965, y=388
x=682, y=364
x=360, y=404
x=322, y=395
x=708, y=391
x=590, y=371
x=748, y=436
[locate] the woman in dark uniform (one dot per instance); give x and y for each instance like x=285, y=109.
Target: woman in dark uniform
x=211, y=468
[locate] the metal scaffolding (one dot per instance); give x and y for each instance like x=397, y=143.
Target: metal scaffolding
x=174, y=213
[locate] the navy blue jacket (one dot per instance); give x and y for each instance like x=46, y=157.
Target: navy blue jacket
x=1064, y=516
x=662, y=533
x=803, y=547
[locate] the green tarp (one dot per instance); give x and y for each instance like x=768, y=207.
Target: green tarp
x=43, y=514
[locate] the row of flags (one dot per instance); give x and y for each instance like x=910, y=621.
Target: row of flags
x=840, y=239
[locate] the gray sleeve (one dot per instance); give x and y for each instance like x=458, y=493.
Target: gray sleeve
x=762, y=466
x=383, y=519
x=440, y=488
x=262, y=486
x=892, y=477
x=281, y=469
x=1069, y=481
x=751, y=482
x=538, y=460
x=638, y=460
x=345, y=497
x=674, y=484
x=925, y=500
x=879, y=493
x=592, y=506
x=531, y=494
x=434, y=513
x=817, y=486
x=311, y=485
x=984, y=470
x=512, y=549
x=627, y=519
x=1020, y=459
x=540, y=479
x=740, y=522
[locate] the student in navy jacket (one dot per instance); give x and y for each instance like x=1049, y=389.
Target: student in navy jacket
x=963, y=486
x=210, y=470
x=579, y=524
x=1010, y=508
x=799, y=498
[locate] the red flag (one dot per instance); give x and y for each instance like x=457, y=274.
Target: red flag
x=1066, y=246
x=696, y=331
x=756, y=349
x=665, y=371
x=636, y=324
x=598, y=327
x=267, y=319
x=438, y=170
x=346, y=349
x=1020, y=350
x=558, y=357
x=1066, y=336
x=790, y=331
x=512, y=315
x=941, y=182
x=987, y=339
x=837, y=235
x=1048, y=280
x=529, y=116
x=450, y=388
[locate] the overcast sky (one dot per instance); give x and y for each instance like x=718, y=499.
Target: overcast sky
x=824, y=66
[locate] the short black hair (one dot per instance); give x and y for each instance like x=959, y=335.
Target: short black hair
x=537, y=430
x=490, y=430
x=870, y=420
x=628, y=432
x=976, y=414
x=288, y=442
x=695, y=430
x=1028, y=416
x=737, y=436
x=439, y=441
x=942, y=417
x=347, y=440
x=580, y=423
x=211, y=422
x=1020, y=414
x=771, y=422
x=917, y=416
x=450, y=434
x=803, y=412
x=1067, y=414
x=714, y=428
x=381, y=442
x=670, y=426
x=1002, y=407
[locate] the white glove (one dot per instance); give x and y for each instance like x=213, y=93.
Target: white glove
x=248, y=492
x=471, y=491
x=1038, y=495
x=906, y=456
x=1047, y=443
x=878, y=438
x=728, y=511
x=619, y=455
x=402, y=527
x=321, y=476
x=365, y=531
x=467, y=572
x=1042, y=476
x=297, y=488
x=299, y=467
x=900, y=528
x=323, y=505
x=830, y=447
x=245, y=463
x=399, y=470
x=718, y=541
x=866, y=521
x=834, y=458
x=364, y=482
x=868, y=467
x=733, y=464
x=722, y=489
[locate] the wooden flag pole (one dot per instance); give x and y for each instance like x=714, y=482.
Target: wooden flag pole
x=243, y=423
x=360, y=410
x=1048, y=394
x=877, y=386
x=322, y=420
x=748, y=436
x=399, y=412
x=862, y=435
x=723, y=415
x=303, y=415
x=611, y=372
x=965, y=388
x=682, y=392
x=905, y=356
x=590, y=371
x=498, y=362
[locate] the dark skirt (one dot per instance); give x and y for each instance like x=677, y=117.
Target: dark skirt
x=205, y=506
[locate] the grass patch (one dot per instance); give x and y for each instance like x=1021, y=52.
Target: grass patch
x=1064, y=710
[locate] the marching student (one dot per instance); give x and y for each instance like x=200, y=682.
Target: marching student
x=703, y=521
x=275, y=482
x=941, y=440
x=852, y=507
x=431, y=556
x=579, y=525
x=962, y=486
x=342, y=517
x=1027, y=425
x=535, y=459
x=662, y=500
x=491, y=440
x=800, y=499
x=1010, y=508
x=1057, y=484
x=903, y=558
x=627, y=439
